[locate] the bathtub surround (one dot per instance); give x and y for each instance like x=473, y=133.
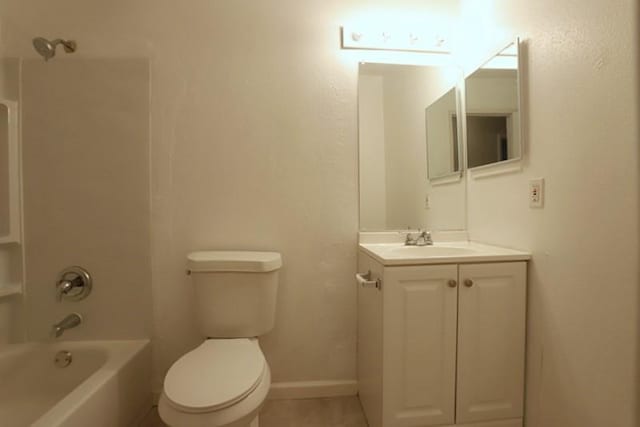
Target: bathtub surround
x=86, y=160
x=11, y=254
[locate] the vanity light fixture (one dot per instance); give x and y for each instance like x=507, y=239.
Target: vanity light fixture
x=400, y=39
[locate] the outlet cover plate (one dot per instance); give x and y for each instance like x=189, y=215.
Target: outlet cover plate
x=536, y=193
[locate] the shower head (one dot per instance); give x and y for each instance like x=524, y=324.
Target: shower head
x=47, y=49
x=44, y=48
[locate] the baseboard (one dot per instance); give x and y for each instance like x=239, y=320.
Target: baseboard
x=312, y=389
x=515, y=422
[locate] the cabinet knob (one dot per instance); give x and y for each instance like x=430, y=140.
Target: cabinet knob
x=468, y=283
x=452, y=283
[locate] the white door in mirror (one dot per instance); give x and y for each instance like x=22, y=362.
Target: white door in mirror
x=536, y=193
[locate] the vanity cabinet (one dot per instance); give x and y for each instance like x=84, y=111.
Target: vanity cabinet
x=442, y=345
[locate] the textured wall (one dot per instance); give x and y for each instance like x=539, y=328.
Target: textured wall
x=254, y=146
x=581, y=112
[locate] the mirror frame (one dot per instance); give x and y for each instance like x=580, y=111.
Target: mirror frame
x=502, y=163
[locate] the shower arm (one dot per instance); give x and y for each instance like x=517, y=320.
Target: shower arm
x=69, y=45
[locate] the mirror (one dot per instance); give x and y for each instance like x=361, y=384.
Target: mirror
x=441, y=119
x=394, y=102
x=493, y=110
x=9, y=174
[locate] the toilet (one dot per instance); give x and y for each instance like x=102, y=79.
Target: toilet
x=226, y=379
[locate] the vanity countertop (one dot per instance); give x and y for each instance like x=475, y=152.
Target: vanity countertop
x=441, y=253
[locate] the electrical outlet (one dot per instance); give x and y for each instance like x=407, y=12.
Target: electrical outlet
x=536, y=193
x=427, y=202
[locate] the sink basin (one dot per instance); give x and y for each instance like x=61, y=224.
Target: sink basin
x=440, y=253
x=429, y=251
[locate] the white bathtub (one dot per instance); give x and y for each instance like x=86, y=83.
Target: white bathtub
x=106, y=385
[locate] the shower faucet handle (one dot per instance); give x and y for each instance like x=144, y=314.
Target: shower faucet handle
x=74, y=284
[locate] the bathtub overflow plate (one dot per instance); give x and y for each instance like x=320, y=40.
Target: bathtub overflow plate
x=63, y=359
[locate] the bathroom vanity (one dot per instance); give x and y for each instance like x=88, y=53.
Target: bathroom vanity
x=441, y=334
x=441, y=328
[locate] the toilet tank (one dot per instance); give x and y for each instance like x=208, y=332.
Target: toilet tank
x=235, y=292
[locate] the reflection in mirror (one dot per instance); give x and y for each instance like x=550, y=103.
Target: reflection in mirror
x=493, y=110
x=393, y=154
x=441, y=120
x=5, y=177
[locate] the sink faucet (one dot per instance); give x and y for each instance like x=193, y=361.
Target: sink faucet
x=71, y=321
x=423, y=239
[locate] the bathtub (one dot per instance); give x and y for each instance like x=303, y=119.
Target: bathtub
x=107, y=384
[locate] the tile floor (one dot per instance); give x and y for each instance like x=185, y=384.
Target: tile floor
x=330, y=412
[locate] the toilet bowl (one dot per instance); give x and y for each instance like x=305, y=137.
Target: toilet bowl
x=225, y=380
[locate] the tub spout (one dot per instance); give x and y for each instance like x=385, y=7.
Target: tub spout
x=71, y=321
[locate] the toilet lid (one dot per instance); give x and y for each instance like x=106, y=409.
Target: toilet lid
x=217, y=374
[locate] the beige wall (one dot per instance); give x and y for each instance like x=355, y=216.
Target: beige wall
x=254, y=146
x=581, y=113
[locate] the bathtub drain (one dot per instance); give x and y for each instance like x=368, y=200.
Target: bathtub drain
x=63, y=359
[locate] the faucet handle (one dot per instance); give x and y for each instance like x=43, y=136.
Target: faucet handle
x=409, y=240
x=63, y=288
x=427, y=237
x=74, y=284
x=423, y=239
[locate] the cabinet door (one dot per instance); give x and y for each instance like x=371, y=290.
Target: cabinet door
x=419, y=345
x=370, y=343
x=491, y=341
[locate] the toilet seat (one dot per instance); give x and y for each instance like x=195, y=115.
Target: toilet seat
x=241, y=414
x=217, y=374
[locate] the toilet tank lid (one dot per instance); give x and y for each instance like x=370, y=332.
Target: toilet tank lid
x=230, y=261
